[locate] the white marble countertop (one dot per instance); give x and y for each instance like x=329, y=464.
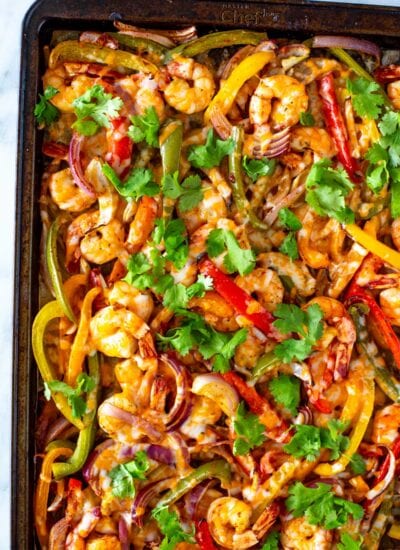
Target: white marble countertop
x=12, y=15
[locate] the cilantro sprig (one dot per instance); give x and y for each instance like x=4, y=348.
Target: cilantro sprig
x=271, y=542
x=255, y=168
x=307, y=324
x=94, y=109
x=189, y=193
x=309, y=440
x=140, y=182
x=307, y=119
x=286, y=391
x=249, y=430
x=123, y=476
x=84, y=384
x=347, y=542
x=327, y=190
x=236, y=258
x=366, y=97
x=357, y=464
x=45, y=112
x=171, y=528
x=289, y=244
x=145, y=127
x=211, y=153
x=321, y=506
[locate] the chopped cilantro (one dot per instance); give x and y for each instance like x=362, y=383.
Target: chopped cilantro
x=145, y=127
x=307, y=324
x=309, y=440
x=255, y=168
x=176, y=243
x=286, y=391
x=211, y=153
x=289, y=220
x=306, y=119
x=178, y=296
x=94, y=109
x=366, y=97
x=171, y=528
x=357, y=464
x=289, y=246
x=189, y=193
x=140, y=182
x=122, y=476
x=320, y=506
x=249, y=429
x=236, y=258
x=327, y=189
x=45, y=112
x=74, y=397
x=347, y=542
x=271, y=542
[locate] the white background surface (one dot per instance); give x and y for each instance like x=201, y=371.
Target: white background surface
x=12, y=12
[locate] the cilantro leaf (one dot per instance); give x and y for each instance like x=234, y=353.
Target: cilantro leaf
x=366, y=102
x=286, y=391
x=176, y=243
x=357, y=464
x=289, y=246
x=171, y=528
x=236, y=258
x=289, y=220
x=327, y=189
x=122, y=476
x=320, y=506
x=291, y=318
x=200, y=287
x=74, y=397
x=306, y=119
x=249, y=429
x=390, y=140
x=255, y=168
x=189, y=194
x=145, y=127
x=332, y=438
x=94, y=109
x=170, y=185
x=211, y=153
x=140, y=182
x=271, y=542
x=45, y=112
x=347, y=542
x=177, y=296
x=305, y=443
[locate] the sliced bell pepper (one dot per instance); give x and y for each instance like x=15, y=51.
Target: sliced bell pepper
x=170, y=149
x=265, y=364
x=239, y=299
x=236, y=181
x=351, y=63
x=384, y=252
x=73, y=50
x=218, y=468
x=141, y=45
x=246, y=69
x=335, y=125
x=203, y=536
x=375, y=533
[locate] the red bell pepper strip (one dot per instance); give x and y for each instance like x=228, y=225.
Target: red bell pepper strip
x=239, y=299
x=355, y=295
x=336, y=127
x=119, y=145
x=55, y=150
x=390, y=73
x=203, y=536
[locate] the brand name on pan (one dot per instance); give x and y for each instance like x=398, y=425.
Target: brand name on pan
x=242, y=14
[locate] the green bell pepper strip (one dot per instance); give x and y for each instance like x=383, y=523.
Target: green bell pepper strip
x=236, y=181
x=74, y=51
x=54, y=270
x=388, y=383
x=217, y=40
x=60, y=444
x=52, y=310
x=266, y=363
x=373, y=538
x=87, y=435
x=170, y=150
x=139, y=44
x=218, y=468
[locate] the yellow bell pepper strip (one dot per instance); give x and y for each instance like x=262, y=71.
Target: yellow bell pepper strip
x=384, y=252
x=42, y=492
x=218, y=468
x=78, y=350
x=74, y=51
x=87, y=434
x=72, y=284
x=365, y=398
x=52, y=310
x=53, y=267
x=221, y=39
x=236, y=181
x=225, y=97
x=170, y=150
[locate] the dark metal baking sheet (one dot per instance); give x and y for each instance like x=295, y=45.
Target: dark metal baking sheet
x=299, y=18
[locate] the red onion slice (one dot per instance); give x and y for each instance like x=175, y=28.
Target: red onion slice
x=87, y=470
x=279, y=144
x=138, y=423
x=193, y=498
x=347, y=43
x=161, y=454
x=74, y=159
x=292, y=197
x=124, y=526
x=164, y=37
x=183, y=403
x=383, y=484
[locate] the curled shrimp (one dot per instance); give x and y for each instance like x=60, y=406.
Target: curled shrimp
x=386, y=424
x=216, y=311
x=129, y=297
x=390, y=303
x=248, y=352
x=104, y=243
x=265, y=284
x=298, y=533
x=229, y=521
x=142, y=224
x=192, y=85
x=278, y=99
x=316, y=139
x=66, y=194
x=210, y=209
x=296, y=270
x=67, y=93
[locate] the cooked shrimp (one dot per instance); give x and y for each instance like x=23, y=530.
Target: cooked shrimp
x=210, y=209
x=296, y=270
x=229, y=521
x=204, y=412
x=58, y=78
x=390, y=303
x=216, y=311
x=131, y=298
x=104, y=243
x=265, y=284
x=142, y=224
x=316, y=139
x=103, y=542
x=192, y=85
x=395, y=232
x=247, y=353
x=280, y=99
x=393, y=91
x=66, y=194
x=298, y=534
x=386, y=425
x=148, y=95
